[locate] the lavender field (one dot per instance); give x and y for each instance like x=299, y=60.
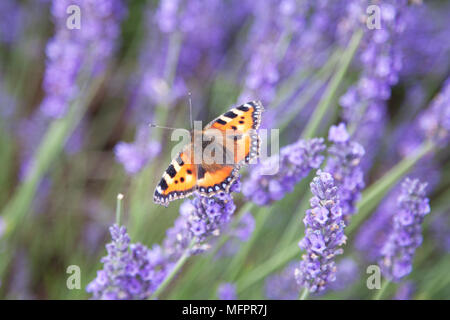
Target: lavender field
x=352, y=200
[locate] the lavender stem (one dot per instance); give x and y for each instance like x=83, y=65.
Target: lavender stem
x=304, y=294
x=181, y=261
x=313, y=124
x=381, y=291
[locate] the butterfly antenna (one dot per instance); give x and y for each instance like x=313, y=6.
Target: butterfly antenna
x=190, y=111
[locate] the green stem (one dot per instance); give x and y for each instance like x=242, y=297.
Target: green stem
x=304, y=294
x=181, y=261
x=283, y=44
x=295, y=225
x=379, y=294
x=325, y=102
x=238, y=260
x=289, y=87
x=172, y=61
x=300, y=102
x=436, y=280
x=269, y=266
x=49, y=149
x=119, y=208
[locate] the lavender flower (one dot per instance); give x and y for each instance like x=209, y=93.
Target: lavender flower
x=245, y=227
x=426, y=43
x=294, y=162
x=346, y=275
x=67, y=52
x=283, y=286
x=324, y=235
x=398, y=251
x=130, y=271
x=278, y=49
x=136, y=155
x=263, y=72
x=435, y=121
x=206, y=216
x=20, y=280
x=199, y=32
x=405, y=291
x=405, y=140
x=227, y=291
x=205, y=27
x=373, y=234
x=344, y=165
x=201, y=218
x=177, y=237
x=71, y=50
x=364, y=104
x=11, y=21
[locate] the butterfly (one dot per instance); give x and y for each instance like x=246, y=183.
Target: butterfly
x=231, y=137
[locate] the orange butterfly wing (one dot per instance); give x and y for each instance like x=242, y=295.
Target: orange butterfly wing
x=178, y=181
x=183, y=177
x=243, y=120
x=211, y=183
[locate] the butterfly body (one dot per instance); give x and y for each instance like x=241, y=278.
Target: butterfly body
x=211, y=162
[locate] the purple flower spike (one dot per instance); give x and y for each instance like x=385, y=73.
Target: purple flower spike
x=12, y=20
x=435, y=121
x=207, y=215
x=324, y=235
x=130, y=271
x=201, y=218
x=344, y=164
x=245, y=227
x=227, y=291
x=70, y=50
x=364, y=104
x=346, y=275
x=405, y=291
x=135, y=156
x=406, y=235
x=294, y=162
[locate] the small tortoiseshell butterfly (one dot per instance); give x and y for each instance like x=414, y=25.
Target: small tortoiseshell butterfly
x=210, y=176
